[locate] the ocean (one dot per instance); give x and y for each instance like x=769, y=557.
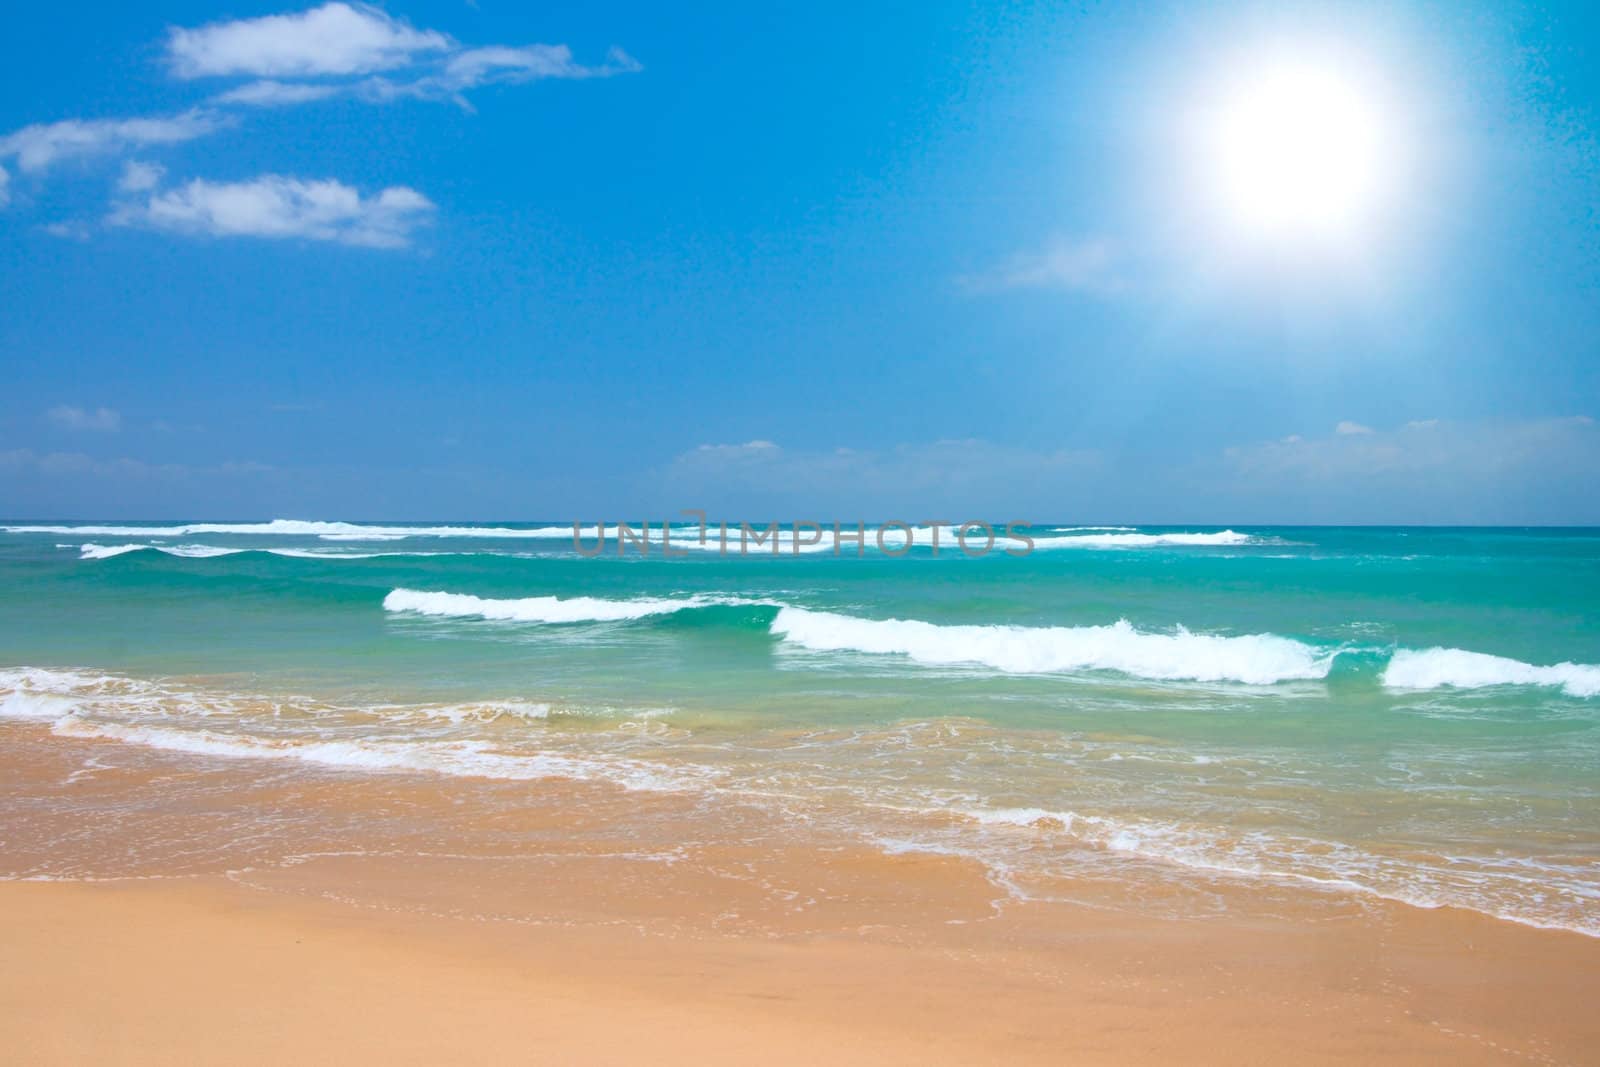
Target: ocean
x=1405, y=714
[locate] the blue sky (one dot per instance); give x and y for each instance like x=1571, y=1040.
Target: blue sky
x=492, y=260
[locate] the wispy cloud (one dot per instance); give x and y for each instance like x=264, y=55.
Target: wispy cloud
x=334, y=39
x=1454, y=453
x=269, y=93
x=273, y=206
x=69, y=464
x=138, y=177
x=35, y=148
x=363, y=53
x=103, y=420
x=1080, y=266
x=971, y=476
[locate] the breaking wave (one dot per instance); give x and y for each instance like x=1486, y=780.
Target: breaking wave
x=548, y=609
x=94, y=551
x=714, y=537
x=1254, y=659
x=1125, y=539
x=1454, y=668
x=328, y=531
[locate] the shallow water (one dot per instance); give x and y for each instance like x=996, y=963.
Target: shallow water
x=1411, y=713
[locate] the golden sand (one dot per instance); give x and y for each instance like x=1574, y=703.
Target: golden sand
x=534, y=937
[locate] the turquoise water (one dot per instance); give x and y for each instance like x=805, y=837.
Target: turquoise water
x=1406, y=713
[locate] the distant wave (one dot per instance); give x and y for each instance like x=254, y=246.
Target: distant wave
x=329, y=531
x=1439, y=668
x=1255, y=659
x=547, y=609
x=788, y=541
x=1143, y=540
x=94, y=551
x=683, y=536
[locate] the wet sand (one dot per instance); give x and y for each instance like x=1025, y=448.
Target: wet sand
x=536, y=938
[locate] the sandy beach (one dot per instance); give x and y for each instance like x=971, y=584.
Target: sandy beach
x=201, y=972
x=575, y=955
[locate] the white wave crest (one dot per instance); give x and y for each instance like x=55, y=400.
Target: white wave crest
x=1255, y=659
x=1144, y=540
x=788, y=541
x=342, y=531
x=1438, y=668
x=94, y=551
x=546, y=608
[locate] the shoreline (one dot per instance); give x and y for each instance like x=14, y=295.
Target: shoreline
x=267, y=913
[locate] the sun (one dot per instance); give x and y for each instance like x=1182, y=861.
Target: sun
x=1296, y=151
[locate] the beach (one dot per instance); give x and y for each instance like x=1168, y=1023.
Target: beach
x=201, y=969
x=463, y=793
x=558, y=948
x=372, y=960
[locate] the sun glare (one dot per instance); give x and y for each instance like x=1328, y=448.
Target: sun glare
x=1297, y=152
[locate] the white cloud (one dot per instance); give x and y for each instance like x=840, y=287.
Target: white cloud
x=69, y=230
x=479, y=66
x=967, y=477
x=1347, y=428
x=337, y=49
x=103, y=420
x=270, y=93
x=496, y=64
x=138, y=177
x=334, y=39
x=1081, y=266
x=37, y=147
x=468, y=69
x=723, y=453
x=273, y=206
x=56, y=465
x=1450, y=453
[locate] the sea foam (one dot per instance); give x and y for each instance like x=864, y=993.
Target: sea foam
x=1438, y=668
x=94, y=551
x=460, y=759
x=546, y=608
x=342, y=531
x=1124, y=539
x=1255, y=659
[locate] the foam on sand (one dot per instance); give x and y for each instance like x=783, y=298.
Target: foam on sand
x=460, y=759
x=175, y=718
